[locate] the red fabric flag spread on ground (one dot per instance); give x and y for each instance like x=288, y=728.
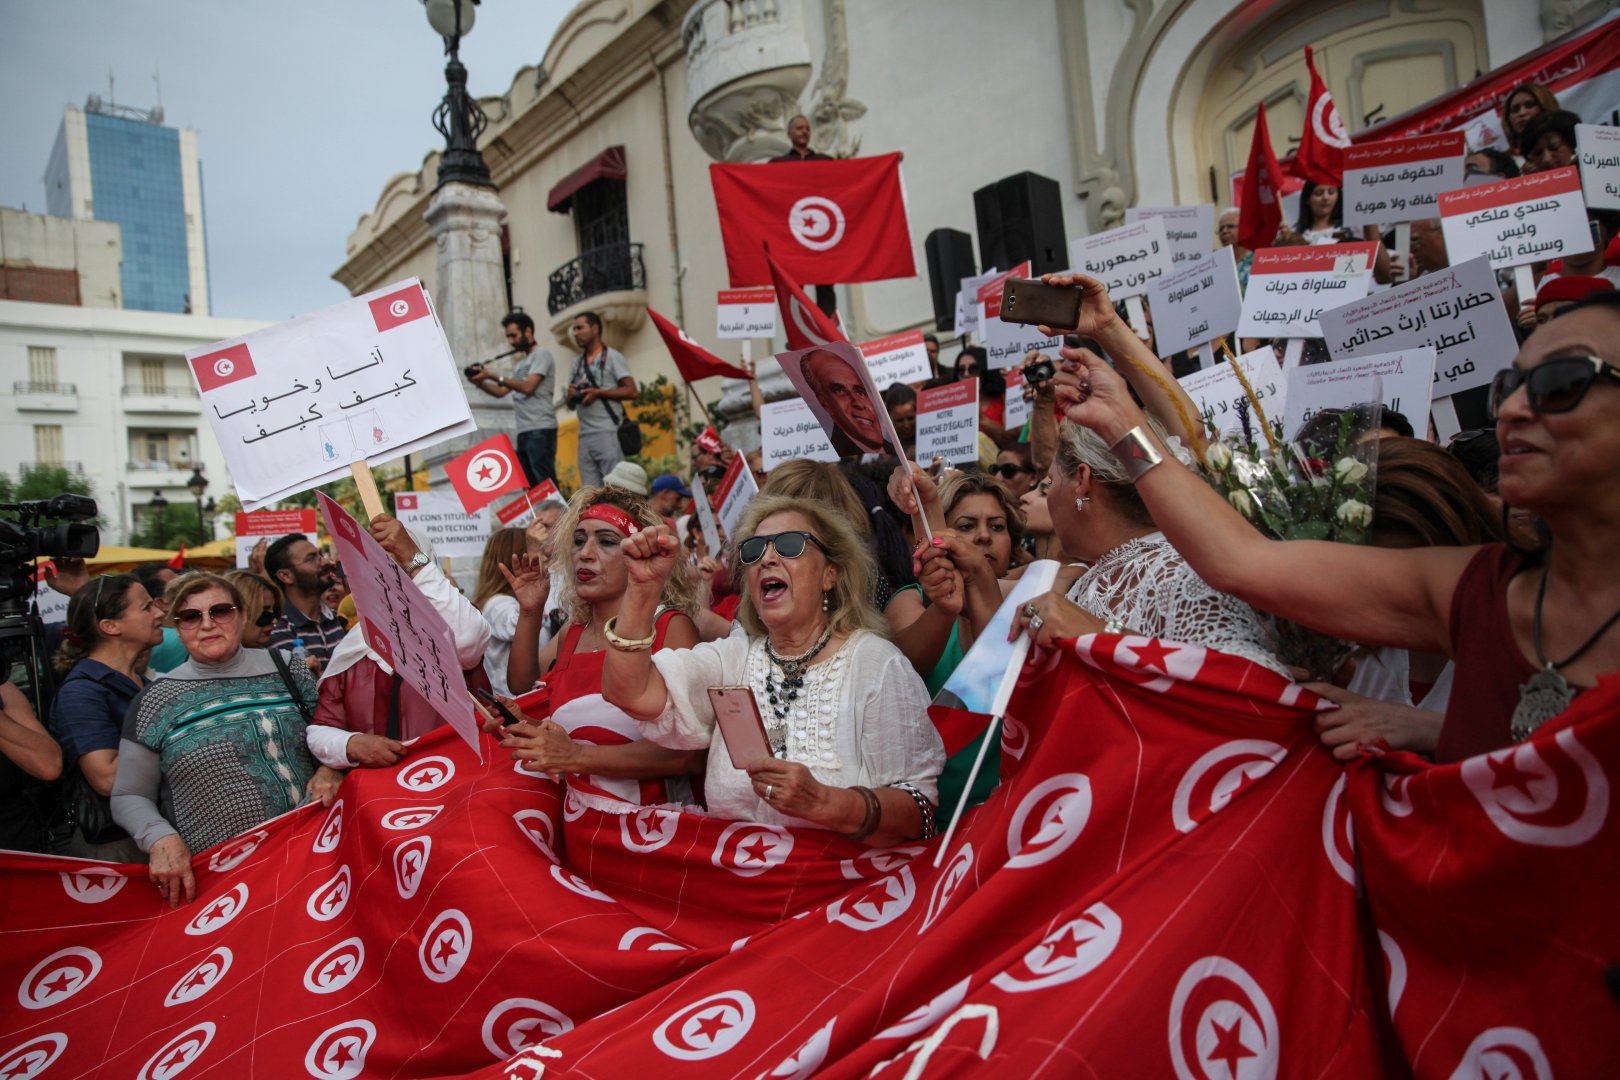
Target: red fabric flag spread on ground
x=1260, y=211
x=692, y=360
x=827, y=221
x=1164, y=885
x=803, y=322
x=1320, y=158
x=485, y=473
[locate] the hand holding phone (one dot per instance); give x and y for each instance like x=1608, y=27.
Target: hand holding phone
x=508, y=717
x=1035, y=303
x=736, y=711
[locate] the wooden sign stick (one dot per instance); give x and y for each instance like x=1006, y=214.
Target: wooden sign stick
x=370, y=500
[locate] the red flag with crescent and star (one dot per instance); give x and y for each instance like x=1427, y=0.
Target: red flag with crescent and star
x=803, y=322
x=692, y=360
x=1260, y=208
x=485, y=473
x=1320, y=158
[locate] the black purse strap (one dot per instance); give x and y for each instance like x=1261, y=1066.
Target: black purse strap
x=292, y=687
x=393, y=707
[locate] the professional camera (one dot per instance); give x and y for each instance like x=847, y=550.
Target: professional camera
x=472, y=371
x=573, y=394
x=22, y=635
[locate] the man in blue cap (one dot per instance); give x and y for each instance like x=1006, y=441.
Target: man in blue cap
x=669, y=494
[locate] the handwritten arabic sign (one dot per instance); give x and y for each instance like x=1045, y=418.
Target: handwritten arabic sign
x=400, y=624
x=948, y=422
x=1386, y=183
x=746, y=313
x=967, y=302
x=1124, y=259
x=439, y=518
x=788, y=430
x=1400, y=381
x=269, y=526
x=899, y=358
x=1200, y=302
x=1457, y=312
x=1217, y=391
x=1190, y=230
x=370, y=379
x=1290, y=287
x=1600, y=164
x=737, y=489
x=1519, y=221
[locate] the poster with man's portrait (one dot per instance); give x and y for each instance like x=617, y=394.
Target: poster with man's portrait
x=834, y=381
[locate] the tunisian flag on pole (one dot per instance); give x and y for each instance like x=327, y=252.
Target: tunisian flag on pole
x=692, y=360
x=804, y=323
x=1321, y=145
x=485, y=473
x=827, y=221
x=1260, y=211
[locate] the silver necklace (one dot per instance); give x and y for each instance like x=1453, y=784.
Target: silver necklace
x=784, y=693
x=1546, y=693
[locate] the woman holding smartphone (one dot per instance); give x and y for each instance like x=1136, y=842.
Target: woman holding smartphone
x=848, y=742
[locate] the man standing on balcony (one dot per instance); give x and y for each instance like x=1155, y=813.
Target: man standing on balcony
x=532, y=383
x=798, y=131
x=599, y=386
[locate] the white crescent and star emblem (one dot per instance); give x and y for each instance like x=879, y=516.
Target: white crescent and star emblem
x=657, y=941
x=1326, y=123
x=200, y=979
x=538, y=827
x=339, y=1052
x=93, y=884
x=1546, y=792
x=807, y=1058
x=706, y=1028
x=1245, y=761
x=233, y=853
x=806, y=322
x=945, y=886
x=1058, y=808
x=927, y=1015
x=335, y=968
x=400, y=308
x=1509, y=1053
x=58, y=977
x=178, y=1053
x=331, y=830
x=327, y=902
x=446, y=946
x=1339, y=834
x=1222, y=1024
x=406, y=818
x=648, y=830
x=219, y=911
x=816, y=222
x=519, y=1023
x=748, y=848
x=426, y=774
x=224, y=367
x=576, y=884
x=488, y=470
x=1074, y=949
x=878, y=904
x=410, y=864
x=33, y=1057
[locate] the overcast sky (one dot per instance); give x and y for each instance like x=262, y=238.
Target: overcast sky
x=303, y=110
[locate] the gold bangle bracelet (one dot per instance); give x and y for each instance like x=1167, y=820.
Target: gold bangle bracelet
x=624, y=644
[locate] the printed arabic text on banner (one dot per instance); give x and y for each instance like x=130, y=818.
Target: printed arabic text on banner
x=1125, y=259
x=1200, y=302
x=1599, y=158
x=948, y=422
x=736, y=490
x=1016, y=409
x=270, y=526
x=1290, y=287
x=1516, y=222
x=746, y=313
x=1216, y=392
x=1400, y=180
x=520, y=511
x=899, y=358
x=789, y=430
x=1400, y=381
x=1190, y=230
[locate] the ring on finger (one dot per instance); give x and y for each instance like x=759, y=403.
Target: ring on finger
x=1035, y=624
x=769, y=788
x=1029, y=610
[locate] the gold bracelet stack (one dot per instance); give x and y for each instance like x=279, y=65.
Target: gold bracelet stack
x=624, y=644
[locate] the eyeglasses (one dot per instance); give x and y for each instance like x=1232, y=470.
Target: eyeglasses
x=192, y=616
x=267, y=617
x=1553, y=386
x=789, y=545
x=1007, y=470
x=1465, y=438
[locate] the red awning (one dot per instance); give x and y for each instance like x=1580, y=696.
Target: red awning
x=608, y=165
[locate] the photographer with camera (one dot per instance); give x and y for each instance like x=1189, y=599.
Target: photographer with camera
x=535, y=411
x=598, y=378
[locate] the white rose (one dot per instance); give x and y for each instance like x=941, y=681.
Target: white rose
x=1218, y=456
x=1241, y=502
x=1356, y=513
x=1350, y=470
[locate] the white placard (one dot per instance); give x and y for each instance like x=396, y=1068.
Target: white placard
x=789, y=430
x=270, y=526
x=292, y=405
x=1599, y=155
x=400, y=624
x=520, y=511
x=438, y=516
x=1200, y=302
x=52, y=604
x=1216, y=391
x=836, y=383
x=705, y=512
x=899, y=358
x=1457, y=312
x=1516, y=222
x=746, y=313
x=1006, y=344
x=1125, y=259
x=1290, y=287
x=948, y=422
x=1016, y=410
x=1399, y=380
x=1190, y=230
x=737, y=489
x=1399, y=180
x=967, y=302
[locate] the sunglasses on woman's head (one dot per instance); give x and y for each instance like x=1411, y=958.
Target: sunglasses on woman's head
x=1008, y=471
x=1553, y=386
x=789, y=545
x=193, y=616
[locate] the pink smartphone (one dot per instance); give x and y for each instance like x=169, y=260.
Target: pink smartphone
x=737, y=713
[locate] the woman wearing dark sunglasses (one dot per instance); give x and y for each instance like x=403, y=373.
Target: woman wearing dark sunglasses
x=1527, y=630
x=221, y=737
x=262, y=604
x=850, y=745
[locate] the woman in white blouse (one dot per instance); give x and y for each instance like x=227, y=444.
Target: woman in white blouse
x=846, y=715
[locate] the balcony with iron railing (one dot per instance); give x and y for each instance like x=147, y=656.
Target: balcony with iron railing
x=146, y=398
x=610, y=280
x=45, y=396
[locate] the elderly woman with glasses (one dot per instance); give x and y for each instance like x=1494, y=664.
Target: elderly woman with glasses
x=216, y=746
x=1528, y=630
x=847, y=743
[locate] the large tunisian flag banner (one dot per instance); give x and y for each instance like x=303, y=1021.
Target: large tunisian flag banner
x=1173, y=880
x=826, y=221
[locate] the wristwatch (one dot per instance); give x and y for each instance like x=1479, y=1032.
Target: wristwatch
x=418, y=561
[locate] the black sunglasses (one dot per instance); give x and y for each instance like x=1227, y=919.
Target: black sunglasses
x=267, y=617
x=789, y=545
x=192, y=616
x=1553, y=386
x=1008, y=471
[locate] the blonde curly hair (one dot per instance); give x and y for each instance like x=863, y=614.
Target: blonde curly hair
x=678, y=589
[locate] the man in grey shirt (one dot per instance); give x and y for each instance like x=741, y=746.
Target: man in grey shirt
x=599, y=387
x=532, y=383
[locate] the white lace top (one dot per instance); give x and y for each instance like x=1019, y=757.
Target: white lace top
x=1147, y=587
x=860, y=718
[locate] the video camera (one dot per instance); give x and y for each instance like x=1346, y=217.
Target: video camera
x=23, y=540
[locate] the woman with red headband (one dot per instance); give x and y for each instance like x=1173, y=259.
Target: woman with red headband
x=601, y=749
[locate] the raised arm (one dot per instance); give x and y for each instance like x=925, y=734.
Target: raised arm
x=530, y=579
x=629, y=679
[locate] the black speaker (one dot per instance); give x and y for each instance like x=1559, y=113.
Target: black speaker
x=1021, y=217
x=950, y=259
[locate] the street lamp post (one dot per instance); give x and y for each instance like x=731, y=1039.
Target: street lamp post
x=458, y=118
x=159, y=506
x=197, y=483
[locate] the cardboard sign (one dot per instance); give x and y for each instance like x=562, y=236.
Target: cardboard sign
x=789, y=430
x=1600, y=164
x=1290, y=287
x=1124, y=259
x=948, y=422
x=967, y=302
x=1006, y=343
x=737, y=489
x=1217, y=391
x=520, y=511
x=746, y=313
x=899, y=358
x=1190, y=230
x=1016, y=409
x=1396, y=180
x=1399, y=380
x=292, y=405
x=52, y=605
x=1516, y=222
x=1457, y=312
x=1200, y=302
x=400, y=624
x=439, y=518
x=270, y=526
x=705, y=512
x=835, y=382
